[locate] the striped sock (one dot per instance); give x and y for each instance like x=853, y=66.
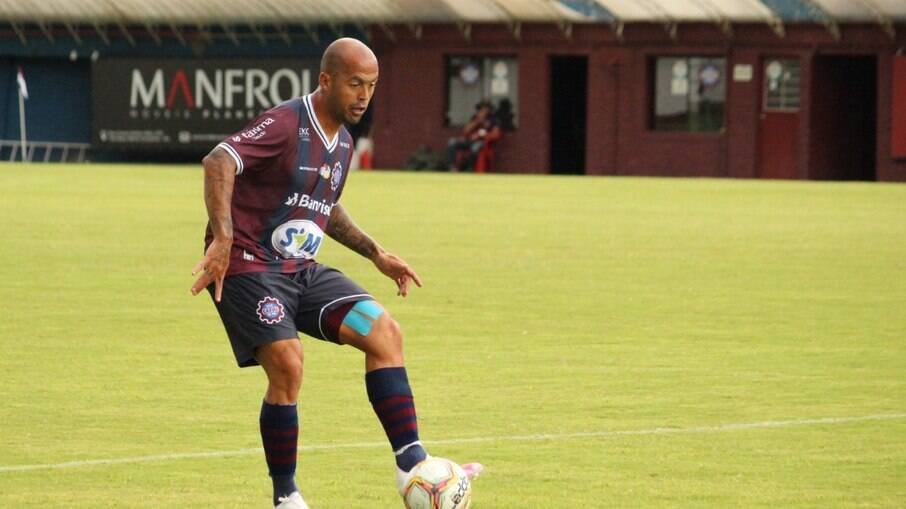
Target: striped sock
x=280, y=436
x=391, y=398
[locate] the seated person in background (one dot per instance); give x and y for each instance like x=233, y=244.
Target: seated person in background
x=504, y=114
x=481, y=129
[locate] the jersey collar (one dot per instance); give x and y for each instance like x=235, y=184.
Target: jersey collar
x=313, y=118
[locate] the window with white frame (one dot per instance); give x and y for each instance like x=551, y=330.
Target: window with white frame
x=472, y=79
x=689, y=93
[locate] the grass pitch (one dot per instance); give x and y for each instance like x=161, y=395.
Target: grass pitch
x=573, y=308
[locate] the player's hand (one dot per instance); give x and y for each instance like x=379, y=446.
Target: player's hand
x=213, y=267
x=399, y=271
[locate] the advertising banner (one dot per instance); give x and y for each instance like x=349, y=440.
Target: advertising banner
x=188, y=105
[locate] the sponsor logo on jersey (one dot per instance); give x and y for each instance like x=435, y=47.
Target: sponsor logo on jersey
x=249, y=257
x=336, y=176
x=344, y=144
x=237, y=139
x=325, y=171
x=304, y=133
x=258, y=132
x=270, y=310
x=304, y=201
x=308, y=168
x=297, y=239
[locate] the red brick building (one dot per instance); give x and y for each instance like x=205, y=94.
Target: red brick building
x=805, y=101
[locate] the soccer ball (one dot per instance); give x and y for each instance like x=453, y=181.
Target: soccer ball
x=437, y=483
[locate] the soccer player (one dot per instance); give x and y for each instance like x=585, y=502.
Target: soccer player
x=272, y=193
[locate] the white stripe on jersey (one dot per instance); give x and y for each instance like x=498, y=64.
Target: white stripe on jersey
x=235, y=155
x=313, y=118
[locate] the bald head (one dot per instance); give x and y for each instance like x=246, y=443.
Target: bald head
x=346, y=54
x=348, y=77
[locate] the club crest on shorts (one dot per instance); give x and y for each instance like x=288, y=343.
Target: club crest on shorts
x=270, y=310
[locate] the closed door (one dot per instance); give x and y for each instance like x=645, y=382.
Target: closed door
x=779, y=127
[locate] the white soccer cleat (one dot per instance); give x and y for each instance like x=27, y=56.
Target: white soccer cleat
x=402, y=479
x=293, y=501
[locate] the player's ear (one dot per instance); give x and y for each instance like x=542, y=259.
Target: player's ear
x=324, y=80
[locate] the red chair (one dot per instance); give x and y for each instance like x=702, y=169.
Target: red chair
x=487, y=157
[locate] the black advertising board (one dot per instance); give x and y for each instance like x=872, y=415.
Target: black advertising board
x=188, y=105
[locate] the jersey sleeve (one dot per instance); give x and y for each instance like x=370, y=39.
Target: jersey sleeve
x=262, y=140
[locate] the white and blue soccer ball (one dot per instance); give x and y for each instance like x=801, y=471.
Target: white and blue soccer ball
x=437, y=483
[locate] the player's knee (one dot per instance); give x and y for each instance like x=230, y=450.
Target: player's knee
x=371, y=329
x=387, y=337
x=291, y=367
x=388, y=331
x=394, y=332
x=285, y=371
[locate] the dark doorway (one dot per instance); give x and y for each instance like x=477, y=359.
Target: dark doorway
x=569, y=98
x=844, y=118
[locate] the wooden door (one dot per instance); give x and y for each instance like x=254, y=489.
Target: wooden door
x=779, y=127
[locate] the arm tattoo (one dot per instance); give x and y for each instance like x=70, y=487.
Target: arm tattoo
x=219, y=176
x=342, y=229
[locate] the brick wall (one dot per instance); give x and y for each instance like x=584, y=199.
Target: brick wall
x=410, y=102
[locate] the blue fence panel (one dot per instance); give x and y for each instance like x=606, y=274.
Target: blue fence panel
x=59, y=102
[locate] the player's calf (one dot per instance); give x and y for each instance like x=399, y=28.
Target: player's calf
x=369, y=328
x=279, y=419
x=280, y=438
x=391, y=398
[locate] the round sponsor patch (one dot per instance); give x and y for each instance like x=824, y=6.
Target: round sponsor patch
x=298, y=238
x=270, y=310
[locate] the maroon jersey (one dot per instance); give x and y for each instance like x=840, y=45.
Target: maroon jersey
x=288, y=178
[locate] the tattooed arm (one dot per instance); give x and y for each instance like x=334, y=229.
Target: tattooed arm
x=219, y=176
x=342, y=229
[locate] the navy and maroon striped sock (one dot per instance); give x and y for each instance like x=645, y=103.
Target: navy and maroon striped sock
x=280, y=436
x=391, y=398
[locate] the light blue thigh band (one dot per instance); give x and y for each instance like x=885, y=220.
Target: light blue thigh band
x=362, y=316
x=369, y=308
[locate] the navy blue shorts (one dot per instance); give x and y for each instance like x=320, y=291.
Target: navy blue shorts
x=258, y=308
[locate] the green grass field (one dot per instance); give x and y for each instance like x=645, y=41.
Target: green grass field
x=594, y=341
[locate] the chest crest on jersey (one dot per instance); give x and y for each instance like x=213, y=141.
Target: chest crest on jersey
x=336, y=176
x=333, y=174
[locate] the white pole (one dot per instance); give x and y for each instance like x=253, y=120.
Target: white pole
x=22, y=125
